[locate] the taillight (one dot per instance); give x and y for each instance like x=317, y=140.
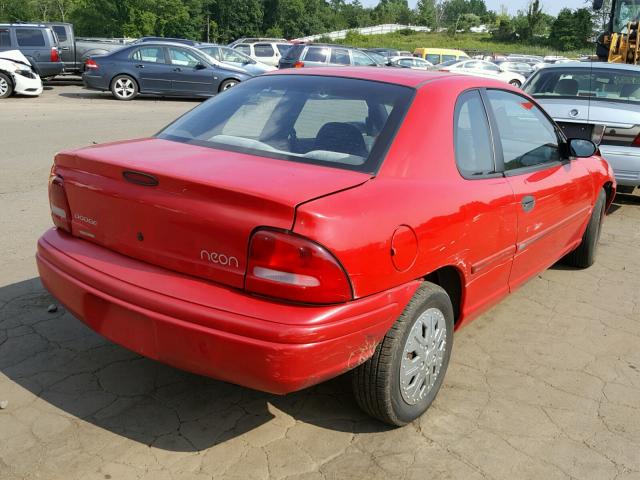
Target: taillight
x=298, y=64
x=55, y=55
x=287, y=266
x=90, y=64
x=60, y=211
x=636, y=141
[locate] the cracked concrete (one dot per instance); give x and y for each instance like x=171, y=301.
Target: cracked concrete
x=544, y=386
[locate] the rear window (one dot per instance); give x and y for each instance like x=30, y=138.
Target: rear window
x=597, y=84
x=293, y=52
x=5, y=38
x=339, y=122
x=60, y=32
x=283, y=48
x=30, y=37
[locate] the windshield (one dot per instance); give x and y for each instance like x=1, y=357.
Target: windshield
x=597, y=84
x=625, y=12
x=340, y=122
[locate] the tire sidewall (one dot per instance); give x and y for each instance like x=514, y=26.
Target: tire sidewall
x=407, y=413
x=124, y=99
x=10, y=85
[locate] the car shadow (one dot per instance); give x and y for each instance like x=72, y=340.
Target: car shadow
x=96, y=95
x=622, y=199
x=48, y=352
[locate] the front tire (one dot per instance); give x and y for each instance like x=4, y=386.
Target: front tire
x=124, y=87
x=585, y=255
x=227, y=84
x=6, y=86
x=402, y=378
x=515, y=83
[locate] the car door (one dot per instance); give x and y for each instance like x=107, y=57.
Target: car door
x=32, y=44
x=151, y=70
x=190, y=75
x=488, y=203
x=552, y=194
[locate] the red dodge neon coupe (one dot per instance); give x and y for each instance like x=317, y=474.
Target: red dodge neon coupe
x=306, y=223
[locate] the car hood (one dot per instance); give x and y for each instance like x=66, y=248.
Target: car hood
x=592, y=111
x=14, y=56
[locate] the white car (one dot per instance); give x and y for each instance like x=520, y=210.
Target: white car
x=17, y=75
x=481, y=68
x=410, y=62
x=268, y=52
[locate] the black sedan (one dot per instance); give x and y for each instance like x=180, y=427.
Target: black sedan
x=161, y=68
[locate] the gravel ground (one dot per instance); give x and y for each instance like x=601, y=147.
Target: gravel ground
x=544, y=386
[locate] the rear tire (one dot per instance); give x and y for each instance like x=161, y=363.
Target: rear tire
x=585, y=255
x=6, y=86
x=227, y=84
x=515, y=83
x=402, y=378
x=124, y=87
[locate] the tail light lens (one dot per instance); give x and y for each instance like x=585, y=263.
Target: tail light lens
x=60, y=211
x=298, y=64
x=55, y=55
x=636, y=141
x=90, y=64
x=291, y=267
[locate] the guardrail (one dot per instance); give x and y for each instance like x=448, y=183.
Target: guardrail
x=374, y=30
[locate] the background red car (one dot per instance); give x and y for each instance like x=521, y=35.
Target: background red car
x=306, y=223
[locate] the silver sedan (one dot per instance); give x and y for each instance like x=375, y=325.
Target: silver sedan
x=599, y=102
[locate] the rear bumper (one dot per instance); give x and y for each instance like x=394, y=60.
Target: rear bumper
x=625, y=162
x=208, y=329
x=95, y=82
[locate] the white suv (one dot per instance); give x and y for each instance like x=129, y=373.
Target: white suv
x=267, y=51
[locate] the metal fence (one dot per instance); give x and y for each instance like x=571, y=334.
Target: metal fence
x=375, y=30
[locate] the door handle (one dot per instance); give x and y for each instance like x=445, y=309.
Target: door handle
x=177, y=69
x=64, y=48
x=139, y=66
x=528, y=203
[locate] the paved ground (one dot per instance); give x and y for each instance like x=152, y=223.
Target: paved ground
x=545, y=386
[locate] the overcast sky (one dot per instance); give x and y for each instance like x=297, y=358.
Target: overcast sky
x=549, y=6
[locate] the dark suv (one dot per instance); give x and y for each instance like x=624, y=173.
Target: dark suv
x=325, y=55
x=37, y=42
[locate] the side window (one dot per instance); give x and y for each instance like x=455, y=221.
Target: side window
x=474, y=152
x=340, y=56
x=263, y=50
x=246, y=49
x=30, y=37
x=362, y=60
x=491, y=67
x=214, y=52
x=316, y=54
x=60, y=32
x=149, y=55
x=5, y=38
x=182, y=58
x=528, y=138
x=433, y=58
x=405, y=62
x=283, y=48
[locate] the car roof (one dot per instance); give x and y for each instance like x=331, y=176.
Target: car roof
x=594, y=65
x=397, y=76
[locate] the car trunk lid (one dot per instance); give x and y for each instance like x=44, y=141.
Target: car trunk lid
x=188, y=208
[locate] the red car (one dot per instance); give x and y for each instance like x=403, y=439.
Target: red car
x=310, y=222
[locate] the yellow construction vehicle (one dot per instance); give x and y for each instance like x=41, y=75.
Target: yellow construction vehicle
x=619, y=43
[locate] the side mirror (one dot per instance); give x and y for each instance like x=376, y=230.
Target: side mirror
x=200, y=66
x=597, y=4
x=582, y=148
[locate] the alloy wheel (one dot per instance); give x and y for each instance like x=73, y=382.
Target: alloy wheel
x=124, y=87
x=4, y=87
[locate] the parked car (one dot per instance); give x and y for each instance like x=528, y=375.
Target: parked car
x=37, y=42
x=236, y=59
x=265, y=51
x=306, y=223
x=17, y=75
x=481, y=68
x=599, y=102
x=74, y=52
x=439, y=55
x=161, y=68
x=257, y=39
x=410, y=62
x=522, y=68
x=325, y=55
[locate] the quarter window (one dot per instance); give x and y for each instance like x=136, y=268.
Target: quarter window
x=474, y=151
x=30, y=37
x=60, y=32
x=5, y=39
x=528, y=138
x=263, y=50
x=149, y=55
x=340, y=56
